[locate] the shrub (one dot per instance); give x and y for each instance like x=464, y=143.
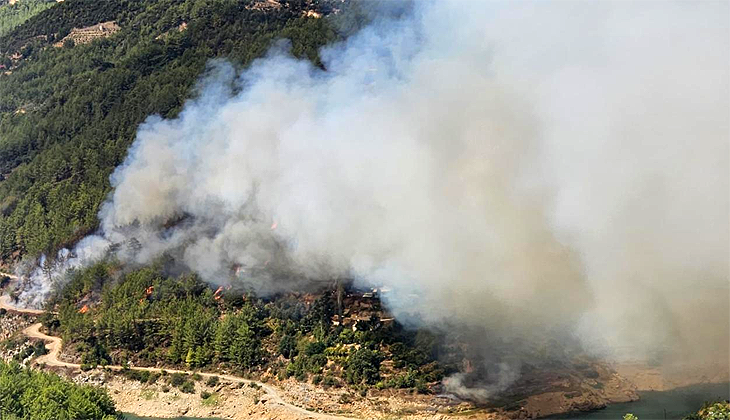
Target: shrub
x=422, y=388
x=316, y=363
x=97, y=355
x=288, y=346
x=329, y=380
x=212, y=381
x=177, y=379
x=295, y=368
x=187, y=387
x=316, y=347
x=363, y=366
x=347, y=336
x=39, y=349
x=143, y=376
x=406, y=380
x=136, y=375
x=209, y=398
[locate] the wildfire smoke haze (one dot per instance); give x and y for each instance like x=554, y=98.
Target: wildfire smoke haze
x=521, y=168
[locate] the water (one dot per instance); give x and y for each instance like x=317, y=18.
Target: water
x=677, y=403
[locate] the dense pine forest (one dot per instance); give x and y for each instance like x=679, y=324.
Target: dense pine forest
x=68, y=114
x=506, y=211
x=31, y=394
x=148, y=318
x=12, y=15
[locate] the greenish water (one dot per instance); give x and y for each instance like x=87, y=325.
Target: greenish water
x=652, y=405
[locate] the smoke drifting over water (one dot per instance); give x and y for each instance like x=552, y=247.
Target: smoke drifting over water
x=520, y=168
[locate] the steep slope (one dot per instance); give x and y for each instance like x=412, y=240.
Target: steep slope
x=14, y=13
x=68, y=115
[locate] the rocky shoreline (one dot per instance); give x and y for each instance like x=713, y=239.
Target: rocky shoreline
x=567, y=391
x=237, y=402
x=241, y=402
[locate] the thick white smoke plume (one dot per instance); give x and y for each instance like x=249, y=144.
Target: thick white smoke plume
x=520, y=167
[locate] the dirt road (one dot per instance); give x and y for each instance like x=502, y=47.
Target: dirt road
x=54, y=344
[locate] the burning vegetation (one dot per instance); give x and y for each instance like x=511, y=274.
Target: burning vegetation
x=337, y=336
x=334, y=336
x=520, y=212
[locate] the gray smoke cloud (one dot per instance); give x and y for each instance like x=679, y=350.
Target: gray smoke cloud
x=519, y=167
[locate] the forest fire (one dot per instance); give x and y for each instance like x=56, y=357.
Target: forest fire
x=501, y=219
x=147, y=293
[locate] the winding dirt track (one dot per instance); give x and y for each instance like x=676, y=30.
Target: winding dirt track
x=54, y=344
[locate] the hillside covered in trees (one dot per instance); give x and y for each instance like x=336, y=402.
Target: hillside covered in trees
x=32, y=394
x=12, y=15
x=149, y=318
x=68, y=115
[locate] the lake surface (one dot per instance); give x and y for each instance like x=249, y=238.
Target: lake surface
x=652, y=405
x=677, y=403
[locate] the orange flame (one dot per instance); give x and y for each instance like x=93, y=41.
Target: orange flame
x=147, y=292
x=217, y=295
x=84, y=309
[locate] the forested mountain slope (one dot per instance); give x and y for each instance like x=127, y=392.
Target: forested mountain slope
x=12, y=15
x=152, y=319
x=68, y=115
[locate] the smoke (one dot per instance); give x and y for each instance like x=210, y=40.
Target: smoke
x=530, y=169
x=504, y=376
